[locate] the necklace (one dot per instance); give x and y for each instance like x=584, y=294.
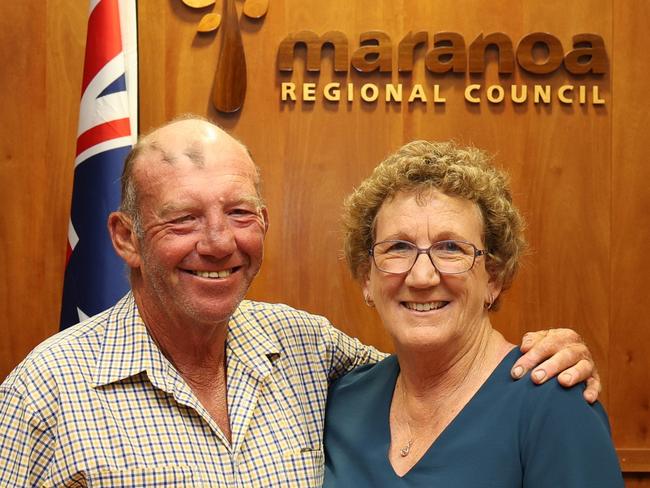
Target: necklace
x=406, y=449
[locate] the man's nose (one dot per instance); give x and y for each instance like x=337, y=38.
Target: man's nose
x=423, y=273
x=217, y=239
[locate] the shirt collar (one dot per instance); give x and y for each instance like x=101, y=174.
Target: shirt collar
x=127, y=348
x=250, y=339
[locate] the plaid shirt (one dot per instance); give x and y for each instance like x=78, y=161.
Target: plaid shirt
x=100, y=405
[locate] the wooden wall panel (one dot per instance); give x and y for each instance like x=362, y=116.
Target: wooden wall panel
x=578, y=172
x=40, y=84
x=19, y=271
x=636, y=480
x=629, y=341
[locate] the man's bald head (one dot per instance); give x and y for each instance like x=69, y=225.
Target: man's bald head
x=184, y=137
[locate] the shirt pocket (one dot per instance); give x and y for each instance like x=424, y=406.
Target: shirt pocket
x=309, y=463
x=155, y=476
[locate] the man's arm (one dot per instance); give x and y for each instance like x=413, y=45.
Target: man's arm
x=560, y=352
x=346, y=353
x=25, y=441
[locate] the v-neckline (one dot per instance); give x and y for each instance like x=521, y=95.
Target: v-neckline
x=390, y=386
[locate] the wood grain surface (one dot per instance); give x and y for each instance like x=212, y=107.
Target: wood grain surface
x=629, y=334
x=41, y=50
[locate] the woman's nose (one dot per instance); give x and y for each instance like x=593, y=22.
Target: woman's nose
x=423, y=273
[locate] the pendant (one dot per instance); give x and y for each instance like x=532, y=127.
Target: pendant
x=404, y=451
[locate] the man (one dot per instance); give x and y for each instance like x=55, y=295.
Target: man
x=182, y=382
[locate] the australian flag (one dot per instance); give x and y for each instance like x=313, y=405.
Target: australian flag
x=95, y=277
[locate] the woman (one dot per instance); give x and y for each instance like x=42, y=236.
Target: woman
x=434, y=238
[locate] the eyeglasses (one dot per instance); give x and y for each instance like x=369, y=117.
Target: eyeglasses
x=448, y=257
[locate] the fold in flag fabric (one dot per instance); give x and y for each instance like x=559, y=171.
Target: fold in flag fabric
x=95, y=277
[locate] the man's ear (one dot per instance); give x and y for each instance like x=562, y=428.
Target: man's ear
x=125, y=241
x=265, y=216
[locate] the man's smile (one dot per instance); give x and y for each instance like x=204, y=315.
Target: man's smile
x=214, y=274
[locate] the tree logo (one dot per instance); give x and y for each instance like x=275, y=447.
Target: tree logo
x=229, y=89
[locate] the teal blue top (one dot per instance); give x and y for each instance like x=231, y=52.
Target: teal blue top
x=510, y=434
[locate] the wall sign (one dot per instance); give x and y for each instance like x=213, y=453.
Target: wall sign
x=536, y=54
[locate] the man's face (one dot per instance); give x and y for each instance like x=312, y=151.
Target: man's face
x=203, y=225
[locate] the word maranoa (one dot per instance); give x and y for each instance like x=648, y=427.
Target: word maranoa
x=537, y=52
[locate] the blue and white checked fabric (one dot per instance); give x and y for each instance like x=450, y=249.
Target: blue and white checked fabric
x=100, y=405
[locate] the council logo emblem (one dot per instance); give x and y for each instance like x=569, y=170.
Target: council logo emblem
x=229, y=89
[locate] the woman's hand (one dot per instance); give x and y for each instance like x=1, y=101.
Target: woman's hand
x=560, y=352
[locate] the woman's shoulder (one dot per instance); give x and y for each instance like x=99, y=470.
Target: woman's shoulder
x=367, y=377
x=550, y=394
x=550, y=391
x=551, y=411
x=563, y=438
x=558, y=433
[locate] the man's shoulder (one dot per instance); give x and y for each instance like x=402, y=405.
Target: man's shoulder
x=278, y=314
x=52, y=357
x=284, y=326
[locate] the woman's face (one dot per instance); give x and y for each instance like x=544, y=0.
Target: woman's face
x=451, y=306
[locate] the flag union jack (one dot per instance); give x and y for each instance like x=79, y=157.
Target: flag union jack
x=95, y=276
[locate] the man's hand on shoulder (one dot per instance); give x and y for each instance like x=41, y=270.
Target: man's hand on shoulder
x=561, y=353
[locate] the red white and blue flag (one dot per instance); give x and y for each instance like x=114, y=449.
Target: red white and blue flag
x=95, y=277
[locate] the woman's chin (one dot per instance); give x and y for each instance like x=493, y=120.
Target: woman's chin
x=422, y=335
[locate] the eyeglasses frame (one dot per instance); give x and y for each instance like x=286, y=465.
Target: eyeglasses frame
x=477, y=252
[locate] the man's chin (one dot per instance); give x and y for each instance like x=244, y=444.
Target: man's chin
x=213, y=310
x=211, y=314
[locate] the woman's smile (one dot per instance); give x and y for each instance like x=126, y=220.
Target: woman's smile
x=424, y=306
